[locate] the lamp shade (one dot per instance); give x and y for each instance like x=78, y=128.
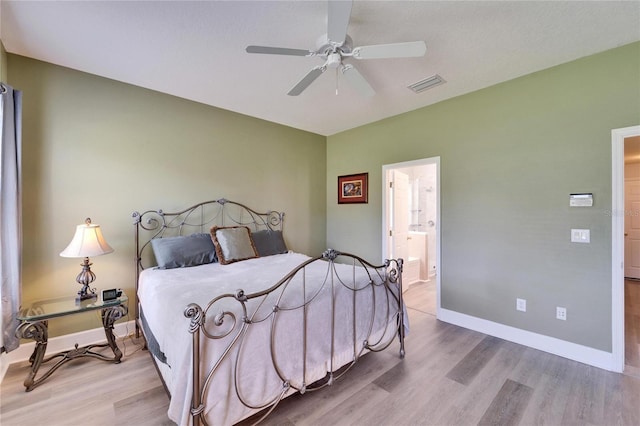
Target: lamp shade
x=87, y=242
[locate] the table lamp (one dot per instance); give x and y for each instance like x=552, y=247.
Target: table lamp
x=87, y=242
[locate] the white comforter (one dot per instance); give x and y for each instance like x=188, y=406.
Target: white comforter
x=164, y=294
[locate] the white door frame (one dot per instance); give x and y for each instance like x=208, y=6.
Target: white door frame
x=617, y=243
x=413, y=163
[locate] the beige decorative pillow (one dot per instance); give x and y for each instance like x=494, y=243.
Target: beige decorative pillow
x=233, y=243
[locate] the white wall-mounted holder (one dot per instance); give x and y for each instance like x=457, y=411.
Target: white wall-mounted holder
x=581, y=200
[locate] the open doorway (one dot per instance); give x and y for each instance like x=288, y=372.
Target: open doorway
x=632, y=254
x=625, y=214
x=411, y=223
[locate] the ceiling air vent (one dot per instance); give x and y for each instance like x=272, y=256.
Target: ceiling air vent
x=427, y=83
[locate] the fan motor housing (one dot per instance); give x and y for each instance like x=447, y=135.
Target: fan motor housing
x=325, y=47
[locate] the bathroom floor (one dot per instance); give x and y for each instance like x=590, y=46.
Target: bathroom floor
x=421, y=296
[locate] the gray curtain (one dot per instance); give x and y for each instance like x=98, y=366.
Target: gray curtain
x=10, y=212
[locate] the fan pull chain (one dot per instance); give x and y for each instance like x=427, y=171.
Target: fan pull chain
x=336, y=81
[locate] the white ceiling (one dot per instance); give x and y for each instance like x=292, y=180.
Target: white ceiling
x=195, y=50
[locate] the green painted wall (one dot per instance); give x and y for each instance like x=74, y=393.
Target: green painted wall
x=510, y=156
x=94, y=147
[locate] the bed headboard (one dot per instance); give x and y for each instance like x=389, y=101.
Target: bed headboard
x=200, y=217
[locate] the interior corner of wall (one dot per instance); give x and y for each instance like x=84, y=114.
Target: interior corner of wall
x=3, y=62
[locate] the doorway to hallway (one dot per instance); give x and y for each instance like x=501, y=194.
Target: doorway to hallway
x=632, y=255
x=411, y=224
x=624, y=336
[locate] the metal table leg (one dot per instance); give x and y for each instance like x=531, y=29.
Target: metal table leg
x=38, y=331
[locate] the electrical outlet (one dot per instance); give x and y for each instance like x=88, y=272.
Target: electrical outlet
x=561, y=313
x=521, y=305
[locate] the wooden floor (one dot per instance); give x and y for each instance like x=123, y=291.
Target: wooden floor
x=450, y=376
x=421, y=297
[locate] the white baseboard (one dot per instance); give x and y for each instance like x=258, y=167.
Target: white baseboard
x=63, y=343
x=573, y=351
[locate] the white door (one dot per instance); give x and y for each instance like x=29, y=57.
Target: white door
x=632, y=229
x=400, y=214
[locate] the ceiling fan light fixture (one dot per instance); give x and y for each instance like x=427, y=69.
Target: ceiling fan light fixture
x=334, y=60
x=427, y=83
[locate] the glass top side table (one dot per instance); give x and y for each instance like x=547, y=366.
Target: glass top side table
x=34, y=322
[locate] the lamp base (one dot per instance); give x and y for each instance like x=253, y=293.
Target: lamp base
x=84, y=278
x=86, y=293
x=81, y=297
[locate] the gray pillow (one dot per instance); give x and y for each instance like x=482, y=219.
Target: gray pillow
x=233, y=243
x=189, y=250
x=269, y=242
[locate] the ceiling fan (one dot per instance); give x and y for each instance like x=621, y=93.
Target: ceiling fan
x=336, y=45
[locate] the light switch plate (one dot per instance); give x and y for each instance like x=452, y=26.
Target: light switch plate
x=580, y=236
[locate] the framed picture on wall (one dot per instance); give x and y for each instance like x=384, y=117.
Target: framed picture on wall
x=353, y=188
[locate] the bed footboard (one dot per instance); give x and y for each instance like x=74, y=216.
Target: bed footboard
x=319, y=320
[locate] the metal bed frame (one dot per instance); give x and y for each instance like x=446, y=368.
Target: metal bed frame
x=210, y=322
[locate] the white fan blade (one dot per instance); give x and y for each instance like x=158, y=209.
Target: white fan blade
x=278, y=51
x=395, y=50
x=356, y=80
x=306, y=81
x=338, y=20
